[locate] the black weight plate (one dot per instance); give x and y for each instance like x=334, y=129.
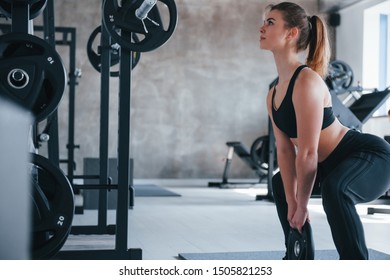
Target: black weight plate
x=118, y=19
x=260, y=153
x=36, y=7
x=53, y=208
x=300, y=246
x=94, y=54
x=44, y=86
x=340, y=76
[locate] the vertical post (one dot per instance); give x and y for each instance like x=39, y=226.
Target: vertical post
x=49, y=34
x=20, y=17
x=71, y=115
x=271, y=158
x=383, y=51
x=123, y=146
x=105, y=42
x=228, y=163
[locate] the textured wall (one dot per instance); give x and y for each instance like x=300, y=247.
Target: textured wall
x=204, y=87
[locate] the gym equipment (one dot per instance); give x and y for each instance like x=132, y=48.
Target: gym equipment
x=33, y=76
x=353, y=106
x=256, y=158
x=31, y=73
x=367, y=104
x=67, y=37
x=35, y=7
x=125, y=189
x=22, y=25
x=300, y=246
x=260, y=154
x=340, y=76
x=53, y=208
x=262, y=158
x=361, y=110
x=141, y=17
x=94, y=54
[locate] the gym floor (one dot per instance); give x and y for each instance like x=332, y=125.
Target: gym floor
x=210, y=220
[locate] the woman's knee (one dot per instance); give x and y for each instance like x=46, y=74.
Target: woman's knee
x=331, y=192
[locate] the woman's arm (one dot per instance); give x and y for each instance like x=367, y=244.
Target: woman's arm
x=308, y=100
x=286, y=162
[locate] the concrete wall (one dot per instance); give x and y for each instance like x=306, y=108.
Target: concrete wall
x=206, y=86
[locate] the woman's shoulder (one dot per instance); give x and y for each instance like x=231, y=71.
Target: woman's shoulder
x=309, y=80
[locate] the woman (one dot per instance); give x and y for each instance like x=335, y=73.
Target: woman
x=350, y=166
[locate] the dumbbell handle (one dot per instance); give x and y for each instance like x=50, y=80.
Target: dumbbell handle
x=144, y=9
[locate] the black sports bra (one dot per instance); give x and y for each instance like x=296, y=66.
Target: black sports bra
x=285, y=118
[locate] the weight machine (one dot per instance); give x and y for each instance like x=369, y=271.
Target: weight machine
x=352, y=105
x=261, y=158
x=33, y=76
x=153, y=36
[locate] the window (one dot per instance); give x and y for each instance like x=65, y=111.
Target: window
x=376, y=50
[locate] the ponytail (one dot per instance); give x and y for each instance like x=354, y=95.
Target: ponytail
x=313, y=34
x=319, y=50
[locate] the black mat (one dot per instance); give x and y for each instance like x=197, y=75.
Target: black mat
x=152, y=190
x=91, y=197
x=272, y=255
x=91, y=167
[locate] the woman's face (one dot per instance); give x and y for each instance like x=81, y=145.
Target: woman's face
x=273, y=32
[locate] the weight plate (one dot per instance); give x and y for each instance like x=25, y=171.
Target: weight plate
x=340, y=76
x=150, y=31
x=36, y=7
x=53, y=208
x=260, y=153
x=32, y=73
x=300, y=246
x=94, y=52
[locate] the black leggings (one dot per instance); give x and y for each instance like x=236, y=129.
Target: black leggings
x=357, y=171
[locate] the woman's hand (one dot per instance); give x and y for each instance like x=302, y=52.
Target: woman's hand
x=299, y=218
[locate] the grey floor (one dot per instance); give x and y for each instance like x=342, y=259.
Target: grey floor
x=210, y=220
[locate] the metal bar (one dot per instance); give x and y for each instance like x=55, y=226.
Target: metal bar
x=228, y=163
x=104, y=124
x=72, y=105
x=373, y=210
x=271, y=156
x=110, y=229
x=123, y=147
x=86, y=176
x=49, y=35
x=95, y=187
x=20, y=13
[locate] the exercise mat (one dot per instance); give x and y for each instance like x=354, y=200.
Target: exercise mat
x=91, y=167
x=152, y=190
x=272, y=255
